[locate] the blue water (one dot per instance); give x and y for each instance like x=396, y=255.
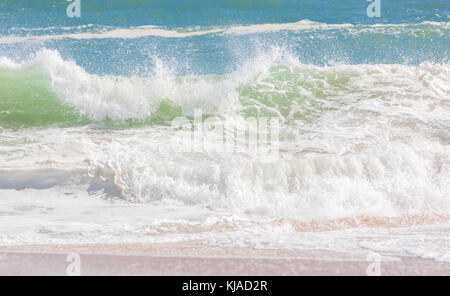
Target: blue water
x=179, y=13
x=222, y=53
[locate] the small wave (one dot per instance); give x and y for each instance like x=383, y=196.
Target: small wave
x=355, y=139
x=105, y=32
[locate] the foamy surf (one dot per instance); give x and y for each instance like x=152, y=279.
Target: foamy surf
x=344, y=151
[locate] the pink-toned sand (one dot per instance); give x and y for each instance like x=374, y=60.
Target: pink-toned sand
x=191, y=258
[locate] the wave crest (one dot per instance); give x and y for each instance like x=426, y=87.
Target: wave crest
x=272, y=84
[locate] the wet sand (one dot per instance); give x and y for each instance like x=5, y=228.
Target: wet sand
x=191, y=258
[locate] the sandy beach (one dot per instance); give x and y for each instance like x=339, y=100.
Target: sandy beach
x=192, y=259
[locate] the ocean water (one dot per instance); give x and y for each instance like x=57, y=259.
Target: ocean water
x=87, y=106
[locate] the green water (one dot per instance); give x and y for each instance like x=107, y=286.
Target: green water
x=27, y=100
